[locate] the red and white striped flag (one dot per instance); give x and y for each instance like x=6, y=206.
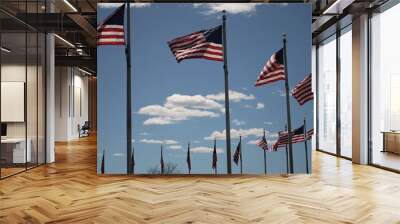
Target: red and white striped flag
x=205, y=44
x=262, y=143
x=302, y=92
x=310, y=133
x=111, y=31
x=283, y=137
x=273, y=70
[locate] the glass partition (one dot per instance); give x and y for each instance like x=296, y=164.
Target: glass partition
x=22, y=89
x=385, y=89
x=346, y=92
x=14, y=153
x=327, y=95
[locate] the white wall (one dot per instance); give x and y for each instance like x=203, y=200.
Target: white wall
x=71, y=94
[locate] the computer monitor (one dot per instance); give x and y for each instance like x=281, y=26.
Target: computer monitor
x=3, y=129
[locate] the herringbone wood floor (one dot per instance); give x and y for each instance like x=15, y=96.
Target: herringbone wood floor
x=70, y=191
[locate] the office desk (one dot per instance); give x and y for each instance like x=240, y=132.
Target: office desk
x=13, y=150
x=391, y=141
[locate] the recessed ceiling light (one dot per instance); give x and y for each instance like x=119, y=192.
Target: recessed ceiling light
x=84, y=71
x=5, y=50
x=70, y=5
x=64, y=40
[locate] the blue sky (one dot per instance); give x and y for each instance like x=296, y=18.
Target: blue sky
x=176, y=103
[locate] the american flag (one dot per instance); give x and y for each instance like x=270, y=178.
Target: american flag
x=162, y=161
x=102, y=163
x=206, y=44
x=303, y=91
x=188, y=160
x=283, y=137
x=111, y=31
x=236, y=156
x=215, y=158
x=273, y=70
x=310, y=133
x=262, y=143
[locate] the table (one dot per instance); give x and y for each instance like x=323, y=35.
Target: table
x=391, y=141
x=13, y=150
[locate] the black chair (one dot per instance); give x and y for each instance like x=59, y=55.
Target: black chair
x=84, y=130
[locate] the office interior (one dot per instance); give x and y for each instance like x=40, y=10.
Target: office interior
x=48, y=79
x=357, y=84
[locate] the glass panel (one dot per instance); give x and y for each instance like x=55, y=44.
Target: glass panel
x=13, y=89
x=346, y=92
x=32, y=88
x=385, y=84
x=327, y=95
x=31, y=100
x=41, y=99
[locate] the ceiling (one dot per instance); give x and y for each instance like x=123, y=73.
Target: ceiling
x=74, y=21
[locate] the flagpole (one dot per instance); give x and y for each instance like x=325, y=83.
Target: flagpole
x=128, y=90
x=289, y=122
x=265, y=158
x=133, y=160
x=216, y=162
x=161, y=161
x=189, y=159
x=240, y=147
x=287, y=155
x=227, y=115
x=305, y=145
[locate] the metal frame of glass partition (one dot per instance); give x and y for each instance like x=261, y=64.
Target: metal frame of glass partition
x=334, y=30
x=387, y=5
x=36, y=34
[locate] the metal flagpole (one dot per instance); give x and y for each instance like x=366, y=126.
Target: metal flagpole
x=305, y=145
x=189, y=162
x=287, y=155
x=227, y=115
x=128, y=90
x=240, y=154
x=216, y=162
x=289, y=122
x=133, y=160
x=265, y=158
x=161, y=160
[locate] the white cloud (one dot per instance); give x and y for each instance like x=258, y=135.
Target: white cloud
x=203, y=149
x=259, y=106
x=163, y=115
x=238, y=122
x=196, y=102
x=196, y=141
x=235, y=133
x=234, y=96
x=252, y=142
x=175, y=147
x=268, y=122
x=144, y=134
x=233, y=8
x=115, y=5
x=271, y=138
x=157, y=141
x=178, y=107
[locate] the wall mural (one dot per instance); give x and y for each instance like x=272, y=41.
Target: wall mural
x=198, y=70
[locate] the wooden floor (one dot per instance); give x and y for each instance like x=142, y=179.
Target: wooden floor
x=70, y=191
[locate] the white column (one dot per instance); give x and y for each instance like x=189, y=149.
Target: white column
x=50, y=94
x=360, y=90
